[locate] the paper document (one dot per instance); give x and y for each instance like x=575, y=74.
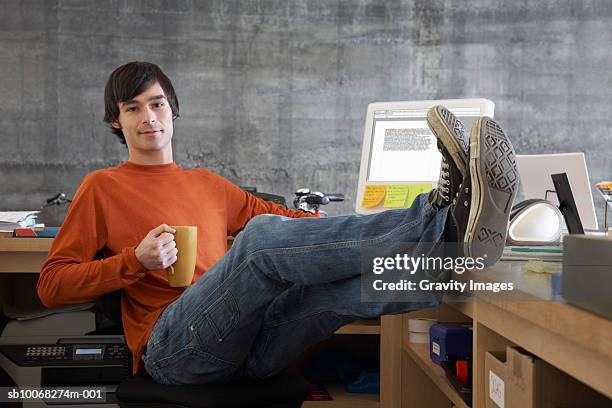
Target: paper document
x=16, y=216
x=9, y=220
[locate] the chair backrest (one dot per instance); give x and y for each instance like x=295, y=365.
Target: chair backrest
x=110, y=305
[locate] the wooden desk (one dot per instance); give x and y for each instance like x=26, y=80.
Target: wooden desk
x=571, y=339
x=23, y=255
x=575, y=341
x=20, y=263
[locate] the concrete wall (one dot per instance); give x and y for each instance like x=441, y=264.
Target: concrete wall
x=274, y=93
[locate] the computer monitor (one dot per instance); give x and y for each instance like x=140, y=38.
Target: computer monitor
x=535, y=171
x=400, y=158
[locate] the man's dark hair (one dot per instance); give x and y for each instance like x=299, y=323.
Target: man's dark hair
x=129, y=81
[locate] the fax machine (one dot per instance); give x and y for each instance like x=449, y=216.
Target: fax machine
x=61, y=350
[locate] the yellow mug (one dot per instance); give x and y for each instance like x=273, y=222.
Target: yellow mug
x=180, y=273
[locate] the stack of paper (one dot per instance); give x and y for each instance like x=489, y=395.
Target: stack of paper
x=9, y=220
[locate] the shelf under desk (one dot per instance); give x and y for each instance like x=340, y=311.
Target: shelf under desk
x=420, y=354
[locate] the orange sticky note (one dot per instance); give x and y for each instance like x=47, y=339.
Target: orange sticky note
x=373, y=196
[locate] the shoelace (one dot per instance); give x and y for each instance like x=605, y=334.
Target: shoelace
x=445, y=181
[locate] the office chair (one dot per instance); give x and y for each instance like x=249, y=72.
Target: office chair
x=280, y=391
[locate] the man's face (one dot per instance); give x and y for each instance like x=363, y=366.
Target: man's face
x=146, y=122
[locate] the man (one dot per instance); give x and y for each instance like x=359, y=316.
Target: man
x=287, y=282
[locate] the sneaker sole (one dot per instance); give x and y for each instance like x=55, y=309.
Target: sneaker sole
x=443, y=124
x=494, y=178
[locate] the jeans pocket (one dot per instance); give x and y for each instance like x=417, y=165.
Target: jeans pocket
x=217, y=321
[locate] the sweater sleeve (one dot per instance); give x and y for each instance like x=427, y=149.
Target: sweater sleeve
x=242, y=206
x=70, y=274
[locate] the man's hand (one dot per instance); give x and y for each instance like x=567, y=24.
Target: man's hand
x=157, y=250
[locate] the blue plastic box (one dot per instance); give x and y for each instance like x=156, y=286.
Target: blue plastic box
x=449, y=341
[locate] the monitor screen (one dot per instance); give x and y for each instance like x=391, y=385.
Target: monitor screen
x=403, y=143
x=404, y=148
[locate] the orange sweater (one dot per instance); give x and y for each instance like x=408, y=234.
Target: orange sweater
x=112, y=212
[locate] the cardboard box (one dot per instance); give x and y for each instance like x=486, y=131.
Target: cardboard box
x=521, y=380
x=495, y=379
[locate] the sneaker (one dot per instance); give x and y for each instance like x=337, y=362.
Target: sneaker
x=453, y=144
x=486, y=194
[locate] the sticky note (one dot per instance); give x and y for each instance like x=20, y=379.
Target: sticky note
x=396, y=196
x=415, y=190
x=373, y=196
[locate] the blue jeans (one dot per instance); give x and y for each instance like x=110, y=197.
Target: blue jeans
x=284, y=285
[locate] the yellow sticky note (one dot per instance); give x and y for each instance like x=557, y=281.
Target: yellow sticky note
x=373, y=196
x=396, y=196
x=416, y=189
